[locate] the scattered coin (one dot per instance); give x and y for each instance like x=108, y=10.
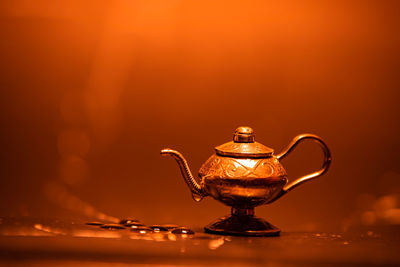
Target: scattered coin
x=142, y=230
x=159, y=228
x=134, y=225
x=112, y=226
x=127, y=221
x=94, y=223
x=182, y=231
x=170, y=226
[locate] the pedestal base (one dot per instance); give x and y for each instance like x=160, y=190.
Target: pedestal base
x=242, y=224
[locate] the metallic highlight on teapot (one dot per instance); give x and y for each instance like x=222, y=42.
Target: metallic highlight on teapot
x=244, y=174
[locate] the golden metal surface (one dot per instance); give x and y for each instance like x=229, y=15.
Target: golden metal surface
x=244, y=174
x=240, y=182
x=244, y=145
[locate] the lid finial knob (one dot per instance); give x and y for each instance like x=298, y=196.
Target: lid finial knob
x=244, y=134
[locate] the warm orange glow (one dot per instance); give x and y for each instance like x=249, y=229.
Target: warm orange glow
x=92, y=90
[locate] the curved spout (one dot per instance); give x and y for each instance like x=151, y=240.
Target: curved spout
x=186, y=173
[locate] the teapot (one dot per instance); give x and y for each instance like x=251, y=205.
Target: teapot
x=244, y=174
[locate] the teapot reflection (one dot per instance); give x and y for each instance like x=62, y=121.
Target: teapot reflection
x=244, y=174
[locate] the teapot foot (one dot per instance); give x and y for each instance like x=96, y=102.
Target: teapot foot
x=242, y=224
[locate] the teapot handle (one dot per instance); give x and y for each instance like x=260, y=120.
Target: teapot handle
x=308, y=177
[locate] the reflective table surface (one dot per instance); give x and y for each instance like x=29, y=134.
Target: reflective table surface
x=49, y=242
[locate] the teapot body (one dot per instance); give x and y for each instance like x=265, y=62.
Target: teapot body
x=242, y=182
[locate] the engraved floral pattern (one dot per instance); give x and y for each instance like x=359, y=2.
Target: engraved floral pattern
x=228, y=167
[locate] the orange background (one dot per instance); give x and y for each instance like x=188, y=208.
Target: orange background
x=90, y=92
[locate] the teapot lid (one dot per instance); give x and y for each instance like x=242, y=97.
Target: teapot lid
x=244, y=145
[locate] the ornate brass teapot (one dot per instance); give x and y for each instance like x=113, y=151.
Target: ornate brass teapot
x=244, y=174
